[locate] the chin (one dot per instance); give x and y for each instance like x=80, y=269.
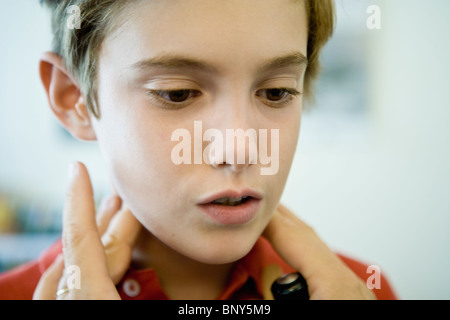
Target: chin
x=222, y=251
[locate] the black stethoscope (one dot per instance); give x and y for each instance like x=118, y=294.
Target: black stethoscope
x=291, y=286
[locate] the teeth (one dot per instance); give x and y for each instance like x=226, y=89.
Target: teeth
x=230, y=201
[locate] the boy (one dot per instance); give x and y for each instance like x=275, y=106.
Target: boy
x=133, y=76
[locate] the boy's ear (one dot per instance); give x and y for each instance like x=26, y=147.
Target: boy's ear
x=65, y=98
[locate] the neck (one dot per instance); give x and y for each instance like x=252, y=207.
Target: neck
x=180, y=277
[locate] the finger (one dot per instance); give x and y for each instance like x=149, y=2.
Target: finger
x=108, y=208
x=48, y=284
x=298, y=244
x=82, y=246
x=124, y=227
x=113, y=188
x=118, y=241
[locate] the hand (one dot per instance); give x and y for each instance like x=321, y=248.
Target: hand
x=328, y=278
x=100, y=251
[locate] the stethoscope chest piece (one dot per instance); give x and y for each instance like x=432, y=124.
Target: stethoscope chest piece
x=291, y=286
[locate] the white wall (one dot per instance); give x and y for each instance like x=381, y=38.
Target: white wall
x=374, y=186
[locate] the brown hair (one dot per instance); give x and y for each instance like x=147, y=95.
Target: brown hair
x=79, y=47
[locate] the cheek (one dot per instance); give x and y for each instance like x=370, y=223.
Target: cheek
x=142, y=167
x=288, y=140
x=137, y=155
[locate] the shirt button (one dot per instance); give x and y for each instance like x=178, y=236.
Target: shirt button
x=131, y=288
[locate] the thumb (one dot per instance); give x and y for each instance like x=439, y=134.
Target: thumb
x=298, y=244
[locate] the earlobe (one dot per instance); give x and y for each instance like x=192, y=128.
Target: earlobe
x=65, y=98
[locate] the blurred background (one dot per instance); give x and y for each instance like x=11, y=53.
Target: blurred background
x=372, y=169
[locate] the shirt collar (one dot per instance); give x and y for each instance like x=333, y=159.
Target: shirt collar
x=251, y=277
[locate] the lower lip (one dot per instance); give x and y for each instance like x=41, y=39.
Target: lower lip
x=231, y=215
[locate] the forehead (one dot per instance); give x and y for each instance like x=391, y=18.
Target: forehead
x=231, y=32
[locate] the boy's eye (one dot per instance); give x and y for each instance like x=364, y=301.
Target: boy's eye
x=277, y=96
x=274, y=97
x=176, y=96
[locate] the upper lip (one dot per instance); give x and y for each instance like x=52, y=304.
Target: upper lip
x=231, y=194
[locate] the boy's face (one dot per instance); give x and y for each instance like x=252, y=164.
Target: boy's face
x=220, y=59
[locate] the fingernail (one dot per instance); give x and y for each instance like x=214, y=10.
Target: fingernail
x=59, y=257
x=73, y=169
x=108, y=202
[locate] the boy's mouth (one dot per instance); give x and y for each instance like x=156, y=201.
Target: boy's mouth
x=226, y=201
x=231, y=197
x=231, y=207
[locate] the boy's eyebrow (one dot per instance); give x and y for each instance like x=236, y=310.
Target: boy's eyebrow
x=295, y=59
x=170, y=61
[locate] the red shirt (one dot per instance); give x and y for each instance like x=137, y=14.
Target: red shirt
x=245, y=281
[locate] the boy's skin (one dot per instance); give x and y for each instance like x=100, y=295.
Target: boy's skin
x=241, y=49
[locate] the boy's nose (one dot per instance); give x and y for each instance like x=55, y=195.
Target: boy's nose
x=240, y=141
x=239, y=150
x=234, y=117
